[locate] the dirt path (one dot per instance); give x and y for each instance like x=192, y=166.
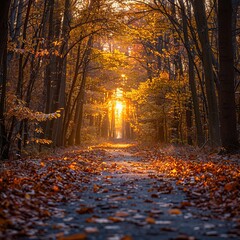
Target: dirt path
x=127, y=200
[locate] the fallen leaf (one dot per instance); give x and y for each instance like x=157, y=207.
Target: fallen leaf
x=85, y=210
x=116, y=219
x=175, y=211
x=168, y=229
x=185, y=204
x=96, y=188
x=148, y=201
x=150, y=220
x=121, y=214
x=55, y=188
x=78, y=236
x=127, y=237
x=184, y=237
x=230, y=186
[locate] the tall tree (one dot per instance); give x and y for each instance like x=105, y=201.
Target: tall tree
x=202, y=29
x=4, y=11
x=192, y=81
x=227, y=104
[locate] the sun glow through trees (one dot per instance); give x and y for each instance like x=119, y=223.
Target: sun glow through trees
x=117, y=114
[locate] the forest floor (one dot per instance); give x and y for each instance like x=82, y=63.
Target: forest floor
x=121, y=191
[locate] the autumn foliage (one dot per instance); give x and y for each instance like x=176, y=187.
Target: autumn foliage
x=62, y=63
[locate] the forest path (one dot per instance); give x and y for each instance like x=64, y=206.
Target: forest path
x=129, y=199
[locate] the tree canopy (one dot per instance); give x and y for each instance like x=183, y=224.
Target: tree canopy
x=64, y=62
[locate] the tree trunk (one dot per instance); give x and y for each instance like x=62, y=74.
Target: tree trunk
x=62, y=66
x=19, y=91
x=4, y=143
x=76, y=132
x=54, y=69
x=68, y=109
x=202, y=29
x=192, y=82
x=4, y=11
x=189, y=122
x=227, y=104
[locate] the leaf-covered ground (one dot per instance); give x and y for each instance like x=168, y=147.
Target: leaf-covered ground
x=121, y=192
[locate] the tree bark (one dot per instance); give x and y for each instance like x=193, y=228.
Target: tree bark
x=82, y=92
x=4, y=12
x=192, y=82
x=202, y=29
x=62, y=66
x=68, y=110
x=227, y=104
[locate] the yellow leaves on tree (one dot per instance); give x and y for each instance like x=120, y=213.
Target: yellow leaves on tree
x=18, y=109
x=111, y=60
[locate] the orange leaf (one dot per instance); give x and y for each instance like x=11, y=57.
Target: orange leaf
x=175, y=211
x=96, y=188
x=84, y=210
x=230, y=186
x=78, y=236
x=150, y=220
x=186, y=204
x=55, y=188
x=115, y=219
x=127, y=237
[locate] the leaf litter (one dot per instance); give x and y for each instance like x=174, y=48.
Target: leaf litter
x=32, y=189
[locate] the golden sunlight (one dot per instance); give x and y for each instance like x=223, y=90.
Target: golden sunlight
x=117, y=114
x=119, y=107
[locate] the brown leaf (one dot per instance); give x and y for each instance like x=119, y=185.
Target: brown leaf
x=78, y=236
x=90, y=220
x=184, y=237
x=230, y=186
x=121, y=214
x=127, y=237
x=115, y=219
x=85, y=210
x=168, y=229
x=91, y=230
x=148, y=201
x=96, y=188
x=185, y=204
x=150, y=220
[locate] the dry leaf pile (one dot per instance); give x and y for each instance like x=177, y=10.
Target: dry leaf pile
x=30, y=189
